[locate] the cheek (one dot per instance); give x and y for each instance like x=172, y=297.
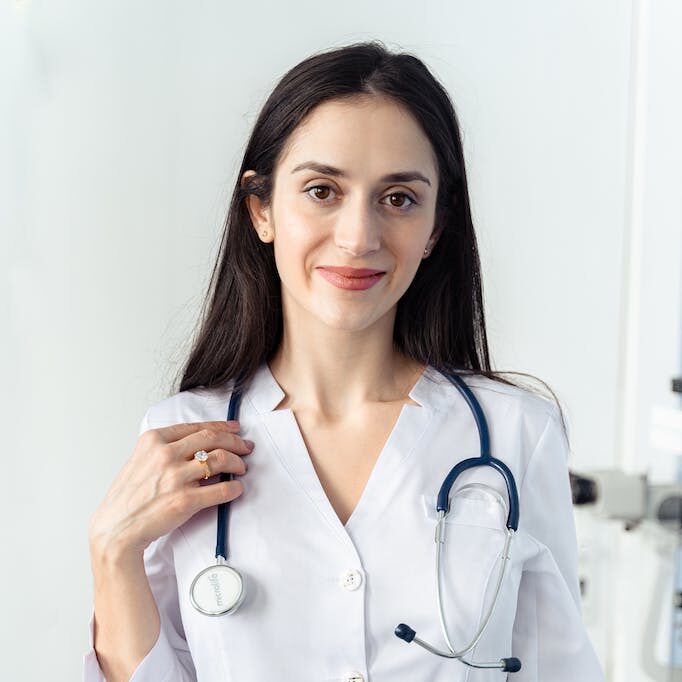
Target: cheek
x=409, y=253
x=295, y=247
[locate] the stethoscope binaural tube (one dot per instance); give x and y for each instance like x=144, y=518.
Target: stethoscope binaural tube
x=508, y=665
x=405, y=632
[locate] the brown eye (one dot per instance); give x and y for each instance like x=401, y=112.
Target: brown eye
x=401, y=204
x=316, y=190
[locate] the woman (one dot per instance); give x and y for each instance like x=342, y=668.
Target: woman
x=355, y=162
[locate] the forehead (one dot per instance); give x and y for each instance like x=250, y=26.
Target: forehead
x=365, y=135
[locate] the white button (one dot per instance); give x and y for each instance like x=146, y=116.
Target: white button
x=351, y=580
x=353, y=677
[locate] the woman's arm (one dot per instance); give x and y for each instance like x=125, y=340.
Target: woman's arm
x=546, y=504
x=126, y=622
x=137, y=601
x=156, y=491
x=549, y=636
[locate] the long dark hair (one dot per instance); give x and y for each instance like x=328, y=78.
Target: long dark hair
x=439, y=319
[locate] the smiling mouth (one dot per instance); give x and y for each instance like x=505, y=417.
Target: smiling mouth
x=352, y=272
x=353, y=283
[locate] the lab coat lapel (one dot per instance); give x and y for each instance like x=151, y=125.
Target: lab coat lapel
x=387, y=474
x=291, y=449
x=288, y=445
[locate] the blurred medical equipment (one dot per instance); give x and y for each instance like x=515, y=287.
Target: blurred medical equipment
x=635, y=501
x=628, y=497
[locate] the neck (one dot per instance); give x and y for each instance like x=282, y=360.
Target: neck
x=332, y=372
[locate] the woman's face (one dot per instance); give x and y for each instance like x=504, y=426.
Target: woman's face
x=333, y=205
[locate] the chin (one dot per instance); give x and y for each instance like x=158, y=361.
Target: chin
x=342, y=318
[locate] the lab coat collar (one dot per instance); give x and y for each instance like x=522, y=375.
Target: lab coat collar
x=432, y=390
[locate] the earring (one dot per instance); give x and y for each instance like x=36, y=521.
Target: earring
x=264, y=233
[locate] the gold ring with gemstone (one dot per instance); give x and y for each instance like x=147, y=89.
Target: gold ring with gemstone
x=201, y=457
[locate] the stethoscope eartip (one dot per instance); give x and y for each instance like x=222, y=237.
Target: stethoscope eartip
x=405, y=632
x=511, y=665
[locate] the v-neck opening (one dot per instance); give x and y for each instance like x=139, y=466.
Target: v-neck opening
x=377, y=462
x=293, y=451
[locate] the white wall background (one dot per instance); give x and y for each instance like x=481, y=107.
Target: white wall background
x=121, y=129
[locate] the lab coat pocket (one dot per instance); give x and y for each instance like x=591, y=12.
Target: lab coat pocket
x=474, y=534
x=473, y=505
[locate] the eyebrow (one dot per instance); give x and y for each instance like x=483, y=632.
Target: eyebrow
x=402, y=176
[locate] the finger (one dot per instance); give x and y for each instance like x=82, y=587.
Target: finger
x=217, y=493
x=219, y=462
x=210, y=439
x=176, y=432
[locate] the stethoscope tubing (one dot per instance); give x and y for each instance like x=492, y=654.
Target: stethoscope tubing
x=484, y=459
x=224, y=507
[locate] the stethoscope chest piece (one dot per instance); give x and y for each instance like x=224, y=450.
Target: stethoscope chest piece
x=217, y=590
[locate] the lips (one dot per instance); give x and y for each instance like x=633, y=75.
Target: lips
x=351, y=272
x=353, y=283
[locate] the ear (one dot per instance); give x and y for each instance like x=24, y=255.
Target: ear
x=259, y=213
x=435, y=236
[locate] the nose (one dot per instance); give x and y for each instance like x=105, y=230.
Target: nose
x=357, y=229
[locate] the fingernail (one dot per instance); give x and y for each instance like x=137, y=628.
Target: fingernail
x=250, y=443
x=233, y=422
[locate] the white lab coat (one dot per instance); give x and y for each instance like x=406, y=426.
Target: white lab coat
x=323, y=599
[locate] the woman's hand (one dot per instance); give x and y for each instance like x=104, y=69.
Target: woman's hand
x=159, y=487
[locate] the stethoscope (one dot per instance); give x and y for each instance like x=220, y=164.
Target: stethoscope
x=219, y=589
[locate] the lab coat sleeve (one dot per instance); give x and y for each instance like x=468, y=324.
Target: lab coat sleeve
x=549, y=636
x=169, y=659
